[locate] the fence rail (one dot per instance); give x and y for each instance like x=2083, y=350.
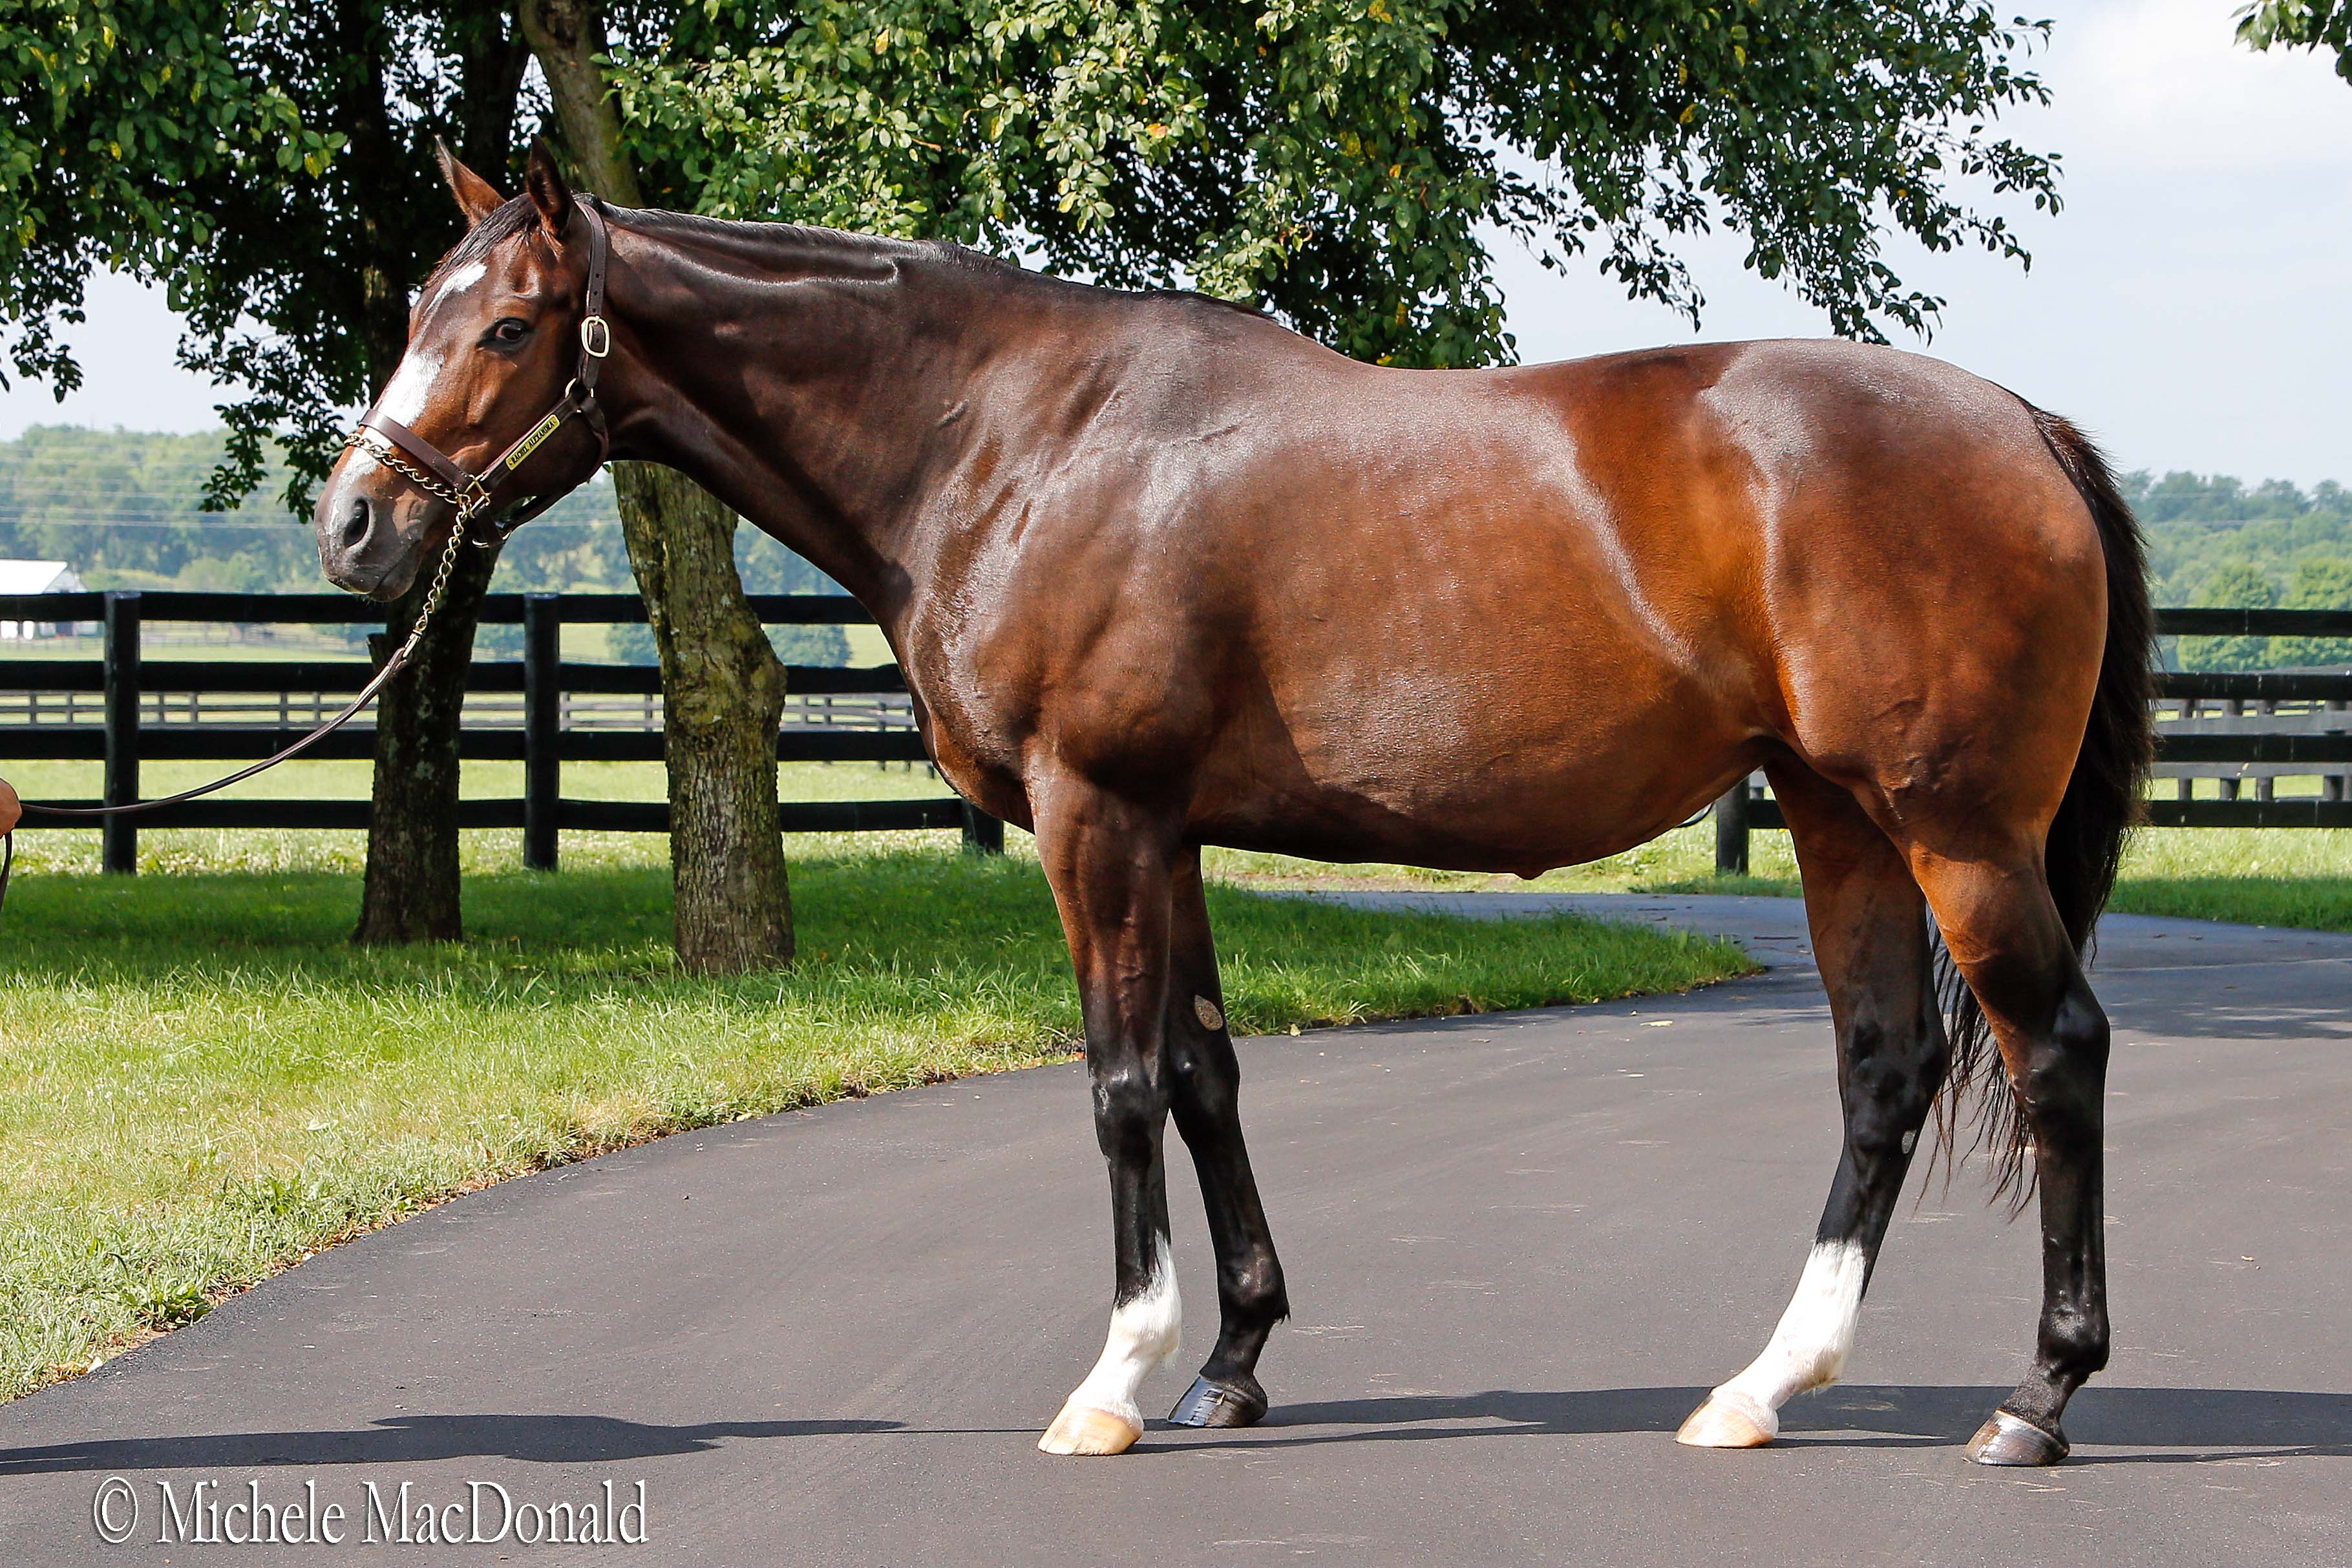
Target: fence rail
x=2237, y=727
x=534, y=716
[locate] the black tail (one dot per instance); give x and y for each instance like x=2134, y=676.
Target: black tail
x=2100, y=804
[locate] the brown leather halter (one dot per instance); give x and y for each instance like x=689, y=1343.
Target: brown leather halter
x=475, y=494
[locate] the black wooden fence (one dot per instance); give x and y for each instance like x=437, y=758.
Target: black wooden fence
x=2321, y=744
x=542, y=743
x=121, y=678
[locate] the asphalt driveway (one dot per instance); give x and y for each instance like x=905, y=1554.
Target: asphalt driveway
x=1520, y=1248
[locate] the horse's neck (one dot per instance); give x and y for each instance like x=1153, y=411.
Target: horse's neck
x=818, y=388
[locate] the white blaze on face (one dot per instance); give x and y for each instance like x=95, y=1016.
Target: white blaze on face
x=412, y=384
x=411, y=387
x=465, y=278
x=1815, y=1336
x=1143, y=1333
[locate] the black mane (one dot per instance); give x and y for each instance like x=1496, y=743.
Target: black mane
x=517, y=216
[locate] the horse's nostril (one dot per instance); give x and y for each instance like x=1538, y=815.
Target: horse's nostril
x=355, y=524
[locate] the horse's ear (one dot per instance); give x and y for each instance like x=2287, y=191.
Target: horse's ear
x=477, y=198
x=549, y=193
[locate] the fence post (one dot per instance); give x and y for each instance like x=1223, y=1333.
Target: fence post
x=1732, y=831
x=981, y=832
x=543, y=699
x=2331, y=785
x=119, y=835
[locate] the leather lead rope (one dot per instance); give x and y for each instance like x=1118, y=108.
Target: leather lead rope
x=393, y=665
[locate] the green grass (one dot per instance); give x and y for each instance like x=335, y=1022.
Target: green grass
x=201, y=1081
x=1681, y=860
x=2267, y=876
x=2260, y=876
x=177, y=849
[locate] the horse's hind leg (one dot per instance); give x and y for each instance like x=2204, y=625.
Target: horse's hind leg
x=1869, y=938
x=1205, y=1083
x=2005, y=933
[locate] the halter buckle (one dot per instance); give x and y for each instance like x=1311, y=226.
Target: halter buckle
x=595, y=336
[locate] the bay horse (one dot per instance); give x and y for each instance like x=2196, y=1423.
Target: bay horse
x=1162, y=573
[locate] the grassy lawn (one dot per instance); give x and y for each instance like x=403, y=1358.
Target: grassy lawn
x=2267, y=876
x=201, y=1081
x=1680, y=861
x=178, y=849
x=2262, y=875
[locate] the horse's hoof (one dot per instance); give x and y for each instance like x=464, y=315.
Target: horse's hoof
x=1083, y=1430
x=1729, y=1421
x=2007, y=1439
x=1240, y=1403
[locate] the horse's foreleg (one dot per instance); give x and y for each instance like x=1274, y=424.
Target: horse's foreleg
x=1205, y=1085
x=1869, y=938
x=1109, y=863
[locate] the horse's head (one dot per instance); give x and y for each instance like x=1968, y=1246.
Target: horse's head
x=495, y=350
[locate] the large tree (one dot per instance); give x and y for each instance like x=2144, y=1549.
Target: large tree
x=271, y=164
x=722, y=685
x=1344, y=162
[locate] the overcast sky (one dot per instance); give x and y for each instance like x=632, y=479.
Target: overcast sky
x=2192, y=305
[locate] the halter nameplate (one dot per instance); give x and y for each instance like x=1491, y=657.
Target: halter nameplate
x=531, y=439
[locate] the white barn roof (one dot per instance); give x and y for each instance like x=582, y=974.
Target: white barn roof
x=39, y=577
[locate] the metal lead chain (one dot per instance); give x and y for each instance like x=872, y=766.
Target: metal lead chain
x=384, y=452
x=440, y=586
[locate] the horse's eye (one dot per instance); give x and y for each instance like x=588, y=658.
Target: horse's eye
x=509, y=329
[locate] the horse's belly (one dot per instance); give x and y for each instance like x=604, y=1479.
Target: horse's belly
x=1455, y=780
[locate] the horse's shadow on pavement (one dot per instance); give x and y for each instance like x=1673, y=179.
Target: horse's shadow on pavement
x=2170, y=1425
x=2175, y=1426
x=418, y=1439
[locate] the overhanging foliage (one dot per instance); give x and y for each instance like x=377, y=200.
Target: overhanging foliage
x=1347, y=162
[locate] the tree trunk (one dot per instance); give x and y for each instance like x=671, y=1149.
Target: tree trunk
x=411, y=890
x=410, y=893
x=722, y=685
x=722, y=696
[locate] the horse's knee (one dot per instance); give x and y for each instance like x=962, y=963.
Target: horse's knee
x=1204, y=1086
x=1205, y=1103
x=1887, y=1091
x=1129, y=1107
x=1892, y=1081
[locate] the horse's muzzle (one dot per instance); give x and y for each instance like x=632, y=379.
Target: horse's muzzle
x=360, y=546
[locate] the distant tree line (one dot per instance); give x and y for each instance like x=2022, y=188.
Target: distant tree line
x=2214, y=540
x=126, y=509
